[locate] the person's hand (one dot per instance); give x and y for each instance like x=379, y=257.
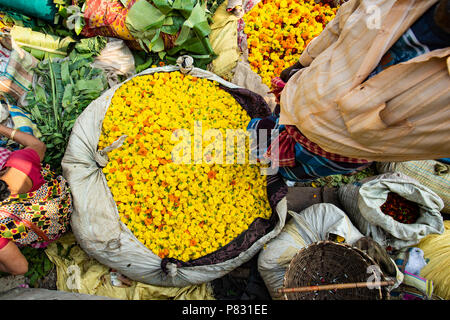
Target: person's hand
x=25, y=139
x=287, y=73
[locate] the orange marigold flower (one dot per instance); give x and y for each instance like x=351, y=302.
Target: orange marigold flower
x=212, y=174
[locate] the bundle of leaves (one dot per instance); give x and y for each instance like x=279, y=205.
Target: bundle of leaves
x=172, y=28
x=39, y=265
x=339, y=180
x=70, y=14
x=65, y=88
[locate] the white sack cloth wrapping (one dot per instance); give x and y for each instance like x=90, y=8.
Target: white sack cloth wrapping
x=95, y=220
x=362, y=203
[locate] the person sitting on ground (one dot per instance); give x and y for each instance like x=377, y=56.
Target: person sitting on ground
x=35, y=206
x=373, y=86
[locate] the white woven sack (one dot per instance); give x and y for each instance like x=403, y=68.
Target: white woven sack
x=95, y=220
x=362, y=203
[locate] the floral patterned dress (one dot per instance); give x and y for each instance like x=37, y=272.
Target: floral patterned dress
x=46, y=210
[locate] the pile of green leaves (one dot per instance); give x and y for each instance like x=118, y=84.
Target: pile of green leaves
x=70, y=14
x=39, y=265
x=150, y=21
x=339, y=180
x=65, y=89
x=144, y=60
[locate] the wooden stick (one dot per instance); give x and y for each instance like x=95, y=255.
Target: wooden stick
x=337, y=286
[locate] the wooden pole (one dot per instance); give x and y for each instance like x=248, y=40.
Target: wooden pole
x=337, y=286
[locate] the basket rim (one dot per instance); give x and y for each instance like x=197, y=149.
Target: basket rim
x=363, y=255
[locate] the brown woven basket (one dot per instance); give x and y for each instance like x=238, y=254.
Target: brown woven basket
x=327, y=262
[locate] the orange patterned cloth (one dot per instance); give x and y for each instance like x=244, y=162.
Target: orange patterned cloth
x=107, y=18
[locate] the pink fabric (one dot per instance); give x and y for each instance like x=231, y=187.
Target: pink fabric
x=3, y=242
x=27, y=160
x=4, y=155
x=286, y=151
x=277, y=86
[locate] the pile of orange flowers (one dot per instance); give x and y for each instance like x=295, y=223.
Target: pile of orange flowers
x=279, y=30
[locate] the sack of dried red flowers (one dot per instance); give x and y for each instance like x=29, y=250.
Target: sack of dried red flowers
x=393, y=209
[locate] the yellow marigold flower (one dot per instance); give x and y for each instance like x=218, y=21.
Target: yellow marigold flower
x=279, y=30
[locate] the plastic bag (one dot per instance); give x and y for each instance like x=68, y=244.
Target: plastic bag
x=97, y=226
x=115, y=59
x=223, y=39
x=362, y=203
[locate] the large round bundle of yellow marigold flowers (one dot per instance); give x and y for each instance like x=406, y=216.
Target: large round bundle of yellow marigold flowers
x=178, y=210
x=279, y=30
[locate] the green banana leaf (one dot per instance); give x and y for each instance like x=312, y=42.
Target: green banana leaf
x=184, y=6
x=147, y=19
x=93, y=45
x=144, y=16
x=41, y=45
x=172, y=29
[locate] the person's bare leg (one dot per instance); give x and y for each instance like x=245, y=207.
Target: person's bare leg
x=12, y=260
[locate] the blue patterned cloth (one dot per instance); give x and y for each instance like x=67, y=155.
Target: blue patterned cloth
x=422, y=37
x=309, y=166
x=22, y=122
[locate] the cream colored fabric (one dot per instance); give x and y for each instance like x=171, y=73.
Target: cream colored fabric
x=402, y=113
x=78, y=273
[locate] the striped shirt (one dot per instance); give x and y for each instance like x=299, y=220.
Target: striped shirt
x=400, y=114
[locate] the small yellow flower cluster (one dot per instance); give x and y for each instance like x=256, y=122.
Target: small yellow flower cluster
x=279, y=30
x=178, y=210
